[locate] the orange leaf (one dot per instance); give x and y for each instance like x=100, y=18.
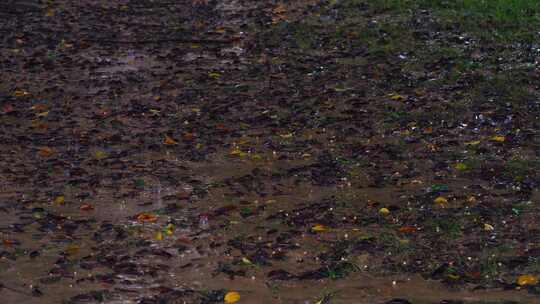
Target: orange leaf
x=407, y=229
x=169, y=141
x=222, y=127
x=8, y=243
x=188, y=136
x=146, y=217
x=527, y=279
x=45, y=152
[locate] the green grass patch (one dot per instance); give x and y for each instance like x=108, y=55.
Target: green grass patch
x=507, y=19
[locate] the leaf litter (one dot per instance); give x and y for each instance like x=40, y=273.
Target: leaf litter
x=281, y=152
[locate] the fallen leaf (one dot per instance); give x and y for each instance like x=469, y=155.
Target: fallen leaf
x=45, y=152
x=527, y=279
x=279, y=9
x=428, y=130
x=39, y=107
x=99, y=154
x=158, y=236
x=7, y=108
x=146, y=217
x=288, y=135
x=169, y=141
x=473, y=143
x=59, y=200
x=21, y=93
x=384, y=211
x=169, y=229
x=471, y=199
x=214, y=74
x=72, y=249
x=319, y=228
x=397, y=97
x=488, y=227
x=461, y=167
x=237, y=152
x=86, y=207
x=188, y=136
x=42, y=114
x=231, y=297
x=407, y=229
x=8, y=243
x=441, y=201
x=222, y=127
x=498, y=138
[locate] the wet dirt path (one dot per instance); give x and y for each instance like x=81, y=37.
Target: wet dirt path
x=156, y=152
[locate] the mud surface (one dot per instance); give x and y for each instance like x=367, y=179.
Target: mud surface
x=173, y=151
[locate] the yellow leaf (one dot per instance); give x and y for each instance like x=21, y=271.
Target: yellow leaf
x=527, y=279
x=396, y=97
x=384, y=211
x=100, y=155
x=441, y=201
x=214, y=74
x=72, y=249
x=169, y=229
x=319, y=228
x=59, y=200
x=288, y=135
x=473, y=143
x=246, y=261
x=461, y=167
x=159, y=236
x=237, y=152
x=42, y=114
x=169, y=141
x=256, y=157
x=498, y=138
x=488, y=227
x=231, y=297
x=21, y=93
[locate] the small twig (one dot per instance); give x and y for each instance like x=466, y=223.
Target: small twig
x=15, y=290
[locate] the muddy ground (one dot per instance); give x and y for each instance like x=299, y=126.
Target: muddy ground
x=295, y=152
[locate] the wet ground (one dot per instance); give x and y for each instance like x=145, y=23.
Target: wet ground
x=174, y=151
